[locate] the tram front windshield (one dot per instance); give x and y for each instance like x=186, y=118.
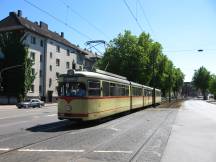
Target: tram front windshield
x=72, y=89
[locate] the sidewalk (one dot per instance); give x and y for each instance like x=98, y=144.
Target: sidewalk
x=14, y=106
x=193, y=136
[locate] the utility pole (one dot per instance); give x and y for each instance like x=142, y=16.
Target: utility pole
x=153, y=80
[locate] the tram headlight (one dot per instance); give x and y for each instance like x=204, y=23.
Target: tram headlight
x=68, y=107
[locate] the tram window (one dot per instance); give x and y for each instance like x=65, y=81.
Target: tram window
x=136, y=91
x=93, y=84
x=112, y=89
x=72, y=89
x=126, y=91
x=122, y=90
x=93, y=88
x=106, y=89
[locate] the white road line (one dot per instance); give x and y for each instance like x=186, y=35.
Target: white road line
x=52, y=115
x=115, y=129
x=126, y=152
x=4, y=149
x=43, y=150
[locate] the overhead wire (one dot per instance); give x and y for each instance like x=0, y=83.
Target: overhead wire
x=59, y=20
x=190, y=50
x=85, y=19
x=134, y=17
x=146, y=18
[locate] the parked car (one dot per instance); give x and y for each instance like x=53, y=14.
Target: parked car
x=30, y=103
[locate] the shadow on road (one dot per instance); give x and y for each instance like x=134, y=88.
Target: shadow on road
x=61, y=126
x=67, y=125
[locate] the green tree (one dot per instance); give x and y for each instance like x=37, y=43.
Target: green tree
x=178, y=81
x=212, y=85
x=17, y=81
x=134, y=57
x=125, y=57
x=201, y=80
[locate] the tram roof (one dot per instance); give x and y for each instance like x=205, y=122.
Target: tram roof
x=104, y=76
x=98, y=76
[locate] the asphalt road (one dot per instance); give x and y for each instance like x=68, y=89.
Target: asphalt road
x=153, y=134
x=37, y=135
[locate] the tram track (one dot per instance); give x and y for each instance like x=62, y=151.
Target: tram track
x=118, y=135
x=139, y=149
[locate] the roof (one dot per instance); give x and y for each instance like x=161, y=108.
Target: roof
x=104, y=77
x=23, y=23
x=97, y=76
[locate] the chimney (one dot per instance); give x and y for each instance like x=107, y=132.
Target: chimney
x=43, y=25
x=62, y=34
x=12, y=13
x=19, y=13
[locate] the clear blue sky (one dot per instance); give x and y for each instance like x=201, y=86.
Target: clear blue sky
x=181, y=26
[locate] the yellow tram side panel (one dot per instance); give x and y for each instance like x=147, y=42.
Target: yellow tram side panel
x=150, y=100
x=146, y=101
x=158, y=99
x=137, y=102
x=77, y=107
x=90, y=109
x=99, y=108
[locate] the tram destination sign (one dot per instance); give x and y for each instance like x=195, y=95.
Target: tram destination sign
x=68, y=79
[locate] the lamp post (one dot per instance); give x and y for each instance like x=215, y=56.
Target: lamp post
x=153, y=77
x=5, y=69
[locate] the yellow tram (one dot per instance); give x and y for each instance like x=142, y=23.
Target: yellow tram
x=92, y=95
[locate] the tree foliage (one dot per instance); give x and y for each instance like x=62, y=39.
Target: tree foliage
x=212, y=85
x=136, y=57
x=201, y=80
x=17, y=81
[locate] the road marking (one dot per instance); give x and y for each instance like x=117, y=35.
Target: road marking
x=42, y=150
x=52, y=115
x=115, y=129
x=4, y=149
x=126, y=152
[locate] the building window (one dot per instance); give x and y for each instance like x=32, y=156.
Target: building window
x=68, y=52
x=41, y=58
x=32, y=88
x=50, y=82
x=40, y=74
x=57, y=75
x=57, y=48
x=51, y=54
x=33, y=71
x=73, y=65
x=67, y=65
x=80, y=67
x=33, y=40
x=32, y=56
x=41, y=43
x=57, y=62
x=80, y=59
x=50, y=67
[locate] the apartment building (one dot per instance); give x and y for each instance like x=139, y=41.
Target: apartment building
x=51, y=53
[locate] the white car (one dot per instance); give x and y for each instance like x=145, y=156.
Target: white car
x=30, y=103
